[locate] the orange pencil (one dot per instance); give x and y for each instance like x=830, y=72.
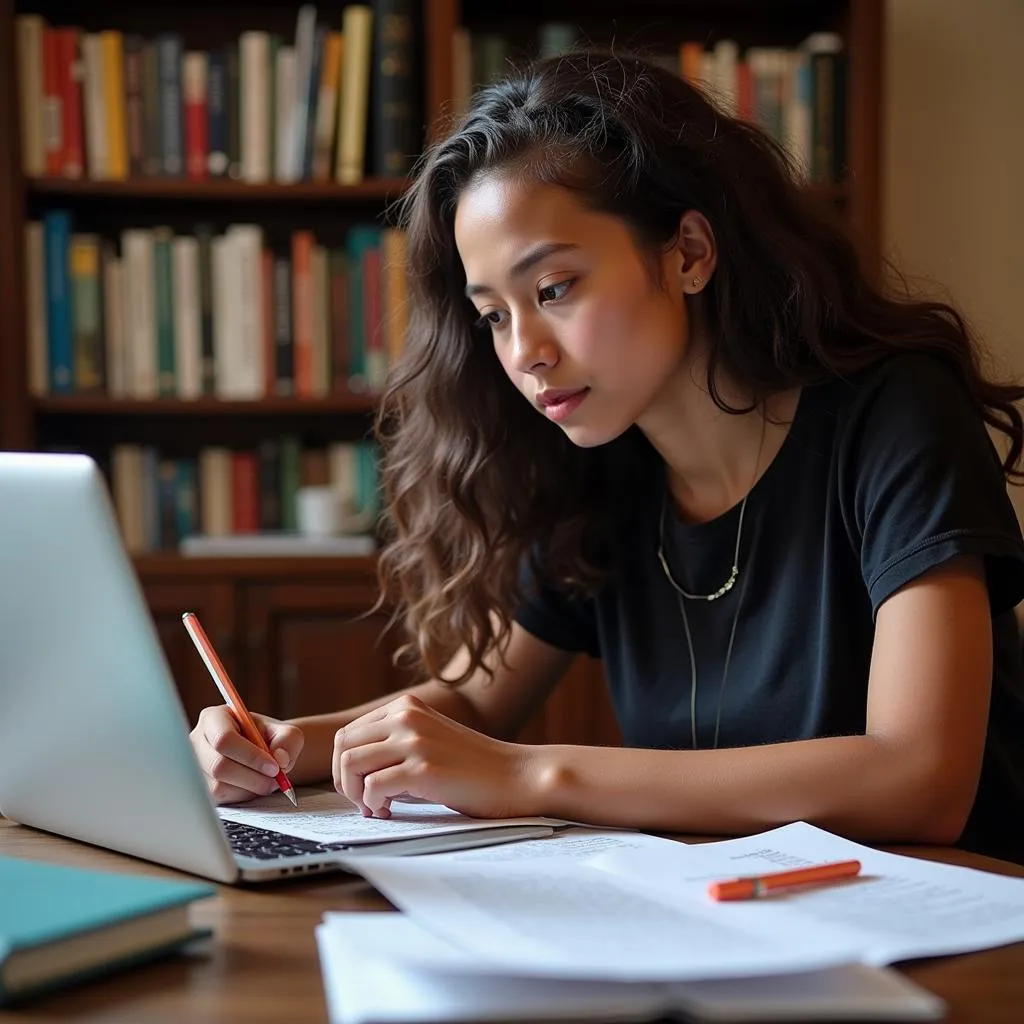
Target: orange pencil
x=759, y=885
x=232, y=698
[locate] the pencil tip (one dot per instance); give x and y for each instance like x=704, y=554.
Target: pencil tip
x=290, y=793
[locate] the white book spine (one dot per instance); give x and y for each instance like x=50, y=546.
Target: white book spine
x=114, y=307
x=284, y=84
x=187, y=325
x=35, y=305
x=140, y=320
x=30, y=83
x=254, y=89
x=97, y=151
x=247, y=352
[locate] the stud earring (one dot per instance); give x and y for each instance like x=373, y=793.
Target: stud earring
x=698, y=283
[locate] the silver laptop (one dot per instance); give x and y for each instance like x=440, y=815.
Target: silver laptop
x=93, y=738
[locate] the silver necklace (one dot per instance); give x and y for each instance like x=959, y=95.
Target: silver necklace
x=682, y=595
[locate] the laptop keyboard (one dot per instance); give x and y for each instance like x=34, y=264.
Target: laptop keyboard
x=250, y=841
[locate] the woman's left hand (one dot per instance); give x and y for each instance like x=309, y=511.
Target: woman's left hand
x=407, y=749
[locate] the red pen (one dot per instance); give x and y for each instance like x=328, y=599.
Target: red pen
x=759, y=885
x=232, y=698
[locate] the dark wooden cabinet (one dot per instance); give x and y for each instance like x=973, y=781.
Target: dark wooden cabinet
x=299, y=638
x=214, y=602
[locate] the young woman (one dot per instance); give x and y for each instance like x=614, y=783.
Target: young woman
x=650, y=408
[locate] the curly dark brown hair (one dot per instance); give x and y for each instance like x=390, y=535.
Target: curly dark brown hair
x=477, y=485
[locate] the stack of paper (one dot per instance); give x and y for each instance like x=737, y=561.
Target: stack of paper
x=593, y=925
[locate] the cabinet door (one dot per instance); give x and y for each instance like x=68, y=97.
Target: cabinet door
x=579, y=711
x=213, y=603
x=312, y=648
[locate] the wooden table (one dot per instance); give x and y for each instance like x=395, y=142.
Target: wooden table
x=262, y=966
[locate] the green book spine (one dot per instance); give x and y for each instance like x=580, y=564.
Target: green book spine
x=290, y=470
x=163, y=302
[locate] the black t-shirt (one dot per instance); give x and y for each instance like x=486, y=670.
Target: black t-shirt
x=881, y=477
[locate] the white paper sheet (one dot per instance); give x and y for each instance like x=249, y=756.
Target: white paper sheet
x=324, y=816
x=642, y=913
x=369, y=966
x=560, y=917
x=898, y=908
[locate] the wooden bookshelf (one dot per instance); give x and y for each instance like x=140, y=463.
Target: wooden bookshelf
x=277, y=407
x=160, y=190
x=294, y=627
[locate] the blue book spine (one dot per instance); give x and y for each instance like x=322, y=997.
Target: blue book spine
x=187, y=498
x=359, y=239
x=60, y=339
x=217, y=112
x=172, y=143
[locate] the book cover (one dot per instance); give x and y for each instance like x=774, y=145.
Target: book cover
x=61, y=924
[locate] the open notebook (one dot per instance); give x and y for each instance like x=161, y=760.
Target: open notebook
x=374, y=971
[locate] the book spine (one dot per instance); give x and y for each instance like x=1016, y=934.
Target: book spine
x=194, y=79
x=187, y=321
x=255, y=97
x=284, y=375
x=217, y=113
x=113, y=321
x=393, y=90
x=357, y=27
x=207, y=358
x=86, y=304
x=53, y=101
x=234, y=111
x=312, y=97
x=338, y=273
x=291, y=459
x=112, y=54
x=35, y=307
x=163, y=296
x=29, y=50
x=72, y=156
x=97, y=150
x=60, y=348
x=169, y=50
x=152, y=112
x=327, y=108
x=135, y=125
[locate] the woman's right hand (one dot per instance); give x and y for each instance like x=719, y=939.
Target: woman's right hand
x=235, y=769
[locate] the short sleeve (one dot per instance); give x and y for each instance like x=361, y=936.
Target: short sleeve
x=921, y=483
x=557, y=617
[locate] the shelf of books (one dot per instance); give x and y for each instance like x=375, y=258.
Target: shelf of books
x=212, y=291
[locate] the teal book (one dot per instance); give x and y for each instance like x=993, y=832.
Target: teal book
x=60, y=925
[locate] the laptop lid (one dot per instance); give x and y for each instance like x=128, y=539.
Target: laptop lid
x=93, y=737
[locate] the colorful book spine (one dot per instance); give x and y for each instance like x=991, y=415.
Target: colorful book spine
x=56, y=242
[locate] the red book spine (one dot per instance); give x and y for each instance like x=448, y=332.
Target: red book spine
x=53, y=100
x=69, y=69
x=302, y=312
x=245, y=493
x=197, y=143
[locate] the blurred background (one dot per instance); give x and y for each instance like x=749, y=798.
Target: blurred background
x=200, y=285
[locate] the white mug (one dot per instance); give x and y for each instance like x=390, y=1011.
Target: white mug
x=318, y=511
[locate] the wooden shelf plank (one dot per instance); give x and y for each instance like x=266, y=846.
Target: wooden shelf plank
x=217, y=190
x=356, y=569
x=103, y=405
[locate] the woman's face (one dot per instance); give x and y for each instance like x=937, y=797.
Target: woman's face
x=578, y=323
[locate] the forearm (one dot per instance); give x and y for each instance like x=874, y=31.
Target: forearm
x=858, y=785
x=314, y=763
